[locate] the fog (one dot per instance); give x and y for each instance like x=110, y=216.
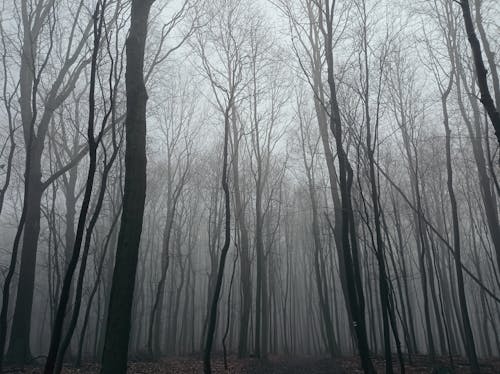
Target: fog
x=231, y=183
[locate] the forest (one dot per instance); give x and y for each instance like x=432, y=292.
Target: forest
x=250, y=186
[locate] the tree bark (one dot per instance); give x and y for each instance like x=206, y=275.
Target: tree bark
x=347, y=225
x=481, y=72
x=244, y=247
x=225, y=248
x=466, y=324
x=114, y=359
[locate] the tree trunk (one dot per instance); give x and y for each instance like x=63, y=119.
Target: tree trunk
x=481, y=72
x=227, y=240
x=466, y=324
x=114, y=359
x=347, y=224
x=244, y=247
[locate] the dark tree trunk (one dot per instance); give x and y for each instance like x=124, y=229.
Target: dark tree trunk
x=93, y=144
x=20, y=350
x=466, y=324
x=347, y=224
x=212, y=320
x=94, y=290
x=244, y=247
x=114, y=359
x=19, y=344
x=481, y=72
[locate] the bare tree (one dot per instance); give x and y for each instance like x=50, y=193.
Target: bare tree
x=347, y=224
x=481, y=72
x=34, y=61
x=114, y=359
x=94, y=142
x=221, y=44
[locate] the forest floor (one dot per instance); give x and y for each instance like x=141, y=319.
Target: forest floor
x=283, y=365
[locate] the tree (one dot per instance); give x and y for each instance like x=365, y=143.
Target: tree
x=445, y=89
x=481, y=72
x=93, y=144
x=114, y=359
x=243, y=239
x=38, y=21
x=7, y=102
x=370, y=150
x=347, y=224
x=222, y=43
